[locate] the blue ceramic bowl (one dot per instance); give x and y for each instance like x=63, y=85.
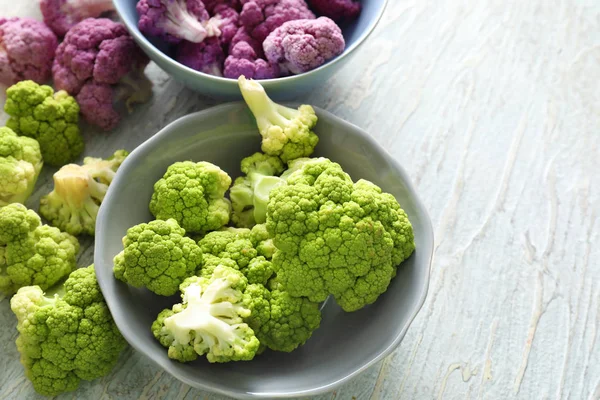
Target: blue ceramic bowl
x=346, y=343
x=291, y=87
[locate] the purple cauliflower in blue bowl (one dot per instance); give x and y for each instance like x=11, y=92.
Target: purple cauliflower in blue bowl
x=292, y=46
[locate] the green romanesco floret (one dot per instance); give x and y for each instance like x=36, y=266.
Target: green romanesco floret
x=209, y=321
x=78, y=193
x=286, y=132
x=194, y=195
x=336, y=237
x=68, y=337
x=50, y=118
x=157, y=256
x=31, y=253
x=281, y=322
x=250, y=193
x=20, y=166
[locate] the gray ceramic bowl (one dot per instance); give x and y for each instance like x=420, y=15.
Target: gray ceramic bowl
x=355, y=33
x=346, y=343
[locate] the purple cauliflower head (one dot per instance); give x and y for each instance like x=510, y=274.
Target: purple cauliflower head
x=302, y=45
x=337, y=10
x=62, y=15
x=176, y=20
x=245, y=58
x=98, y=57
x=207, y=57
x=27, y=49
x=228, y=20
x=261, y=17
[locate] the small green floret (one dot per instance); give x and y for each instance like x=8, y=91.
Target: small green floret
x=158, y=256
x=66, y=338
x=50, y=118
x=193, y=194
x=286, y=132
x=250, y=193
x=78, y=193
x=31, y=253
x=20, y=166
x=209, y=321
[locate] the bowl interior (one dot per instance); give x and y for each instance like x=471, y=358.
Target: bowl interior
x=355, y=32
x=346, y=343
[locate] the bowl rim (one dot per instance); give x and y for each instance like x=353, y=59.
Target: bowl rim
x=101, y=262
x=148, y=46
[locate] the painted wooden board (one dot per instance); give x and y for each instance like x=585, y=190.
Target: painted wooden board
x=494, y=109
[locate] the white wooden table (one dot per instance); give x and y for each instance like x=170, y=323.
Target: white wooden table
x=493, y=106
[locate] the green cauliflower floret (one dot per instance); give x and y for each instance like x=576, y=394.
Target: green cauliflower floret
x=281, y=322
x=209, y=321
x=20, y=166
x=235, y=249
x=50, y=118
x=78, y=193
x=157, y=256
x=193, y=195
x=336, y=237
x=31, y=253
x=68, y=337
x=250, y=193
x=286, y=132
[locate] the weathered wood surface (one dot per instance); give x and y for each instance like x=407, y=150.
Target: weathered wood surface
x=494, y=109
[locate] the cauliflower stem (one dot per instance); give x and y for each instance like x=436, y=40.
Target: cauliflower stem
x=286, y=132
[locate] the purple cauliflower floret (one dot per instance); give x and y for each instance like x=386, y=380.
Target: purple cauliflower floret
x=337, y=10
x=27, y=49
x=207, y=57
x=176, y=20
x=261, y=17
x=302, y=45
x=100, y=64
x=211, y=5
x=245, y=58
x=228, y=20
x=62, y=15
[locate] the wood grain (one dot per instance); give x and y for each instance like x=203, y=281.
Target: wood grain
x=494, y=109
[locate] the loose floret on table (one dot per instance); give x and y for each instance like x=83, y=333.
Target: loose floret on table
x=20, y=166
x=157, y=256
x=336, y=237
x=79, y=190
x=209, y=321
x=286, y=132
x=100, y=64
x=32, y=253
x=50, y=118
x=176, y=20
x=68, y=337
x=303, y=45
x=62, y=15
x=27, y=49
x=194, y=195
